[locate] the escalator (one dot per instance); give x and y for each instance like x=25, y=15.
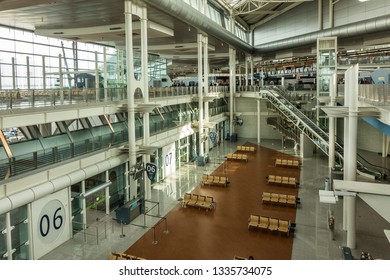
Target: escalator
x=317, y=135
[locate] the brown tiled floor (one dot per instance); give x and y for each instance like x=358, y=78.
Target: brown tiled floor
x=222, y=233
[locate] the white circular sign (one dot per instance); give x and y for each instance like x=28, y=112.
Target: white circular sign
x=51, y=221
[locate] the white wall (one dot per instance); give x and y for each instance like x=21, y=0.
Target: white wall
x=298, y=21
x=304, y=18
x=349, y=11
x=248, y=109
x=369, y=138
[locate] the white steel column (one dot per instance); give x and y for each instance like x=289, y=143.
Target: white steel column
x=251, y=72
x=84, y=205
x=232, y=84
x=352, y=80
x=127, y=183
x=206, y=88
x=130, y=92
x=13, y=74
x=345, y=155
x=385, y=145
x=200, y=92
x=332, y=130
x=246, y=71
x=28, y=72
x=97, y=87
x=145, y=89
x=346, y=126
x=258, y=121
x=61, y=79
x=44, y=71
x=353, y=122
x=105, y=72
x=262, y=77
x=107, y=194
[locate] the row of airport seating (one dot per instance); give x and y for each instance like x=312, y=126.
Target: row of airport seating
x=246, y=149
x=197, y=200
x=270, y=224
x=214, y=180
x=121, y=256
x=282, y=180
x=287, y=163
x=280, y=199
x=242, y=157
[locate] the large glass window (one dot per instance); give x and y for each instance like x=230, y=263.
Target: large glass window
x=20, y=44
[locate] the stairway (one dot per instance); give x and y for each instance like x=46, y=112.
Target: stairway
x=318, y=136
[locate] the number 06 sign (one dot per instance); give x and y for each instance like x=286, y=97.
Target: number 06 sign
x=151, y=170
x=51, y=221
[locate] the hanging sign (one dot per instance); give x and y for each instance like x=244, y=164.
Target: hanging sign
x=213, y=136
x=151, y=170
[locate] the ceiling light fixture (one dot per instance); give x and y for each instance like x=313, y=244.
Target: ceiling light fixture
x=363, y=0
x=189, y=28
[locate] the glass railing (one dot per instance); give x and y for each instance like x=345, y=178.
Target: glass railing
x=378, y=94
x=46, y=157
x=28, y=162
x=30, y=98
x=13, y=99
x=20, y=99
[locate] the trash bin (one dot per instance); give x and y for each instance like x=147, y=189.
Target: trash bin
x=346, y=253
x=200, y=161
x=233, y=137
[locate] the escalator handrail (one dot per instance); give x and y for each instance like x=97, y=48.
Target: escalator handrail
x=306, y=119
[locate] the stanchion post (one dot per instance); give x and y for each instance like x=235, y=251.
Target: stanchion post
x=166, y=231
x=154, y=242
x=122, y=234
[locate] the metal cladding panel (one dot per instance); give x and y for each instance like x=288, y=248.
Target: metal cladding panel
x=5, y=205
x=21, y=198
x=43, y=190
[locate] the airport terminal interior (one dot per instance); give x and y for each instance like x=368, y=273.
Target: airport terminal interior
x=194, y=130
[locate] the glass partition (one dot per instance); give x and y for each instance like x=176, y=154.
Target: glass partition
x=117, y=188
x=3, y=237
x=77, y=208
x=19, y=234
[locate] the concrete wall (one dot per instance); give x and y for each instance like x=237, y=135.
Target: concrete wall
x=248, y=109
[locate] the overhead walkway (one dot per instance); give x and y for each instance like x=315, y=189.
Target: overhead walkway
x=317, y=135
x=40, y=121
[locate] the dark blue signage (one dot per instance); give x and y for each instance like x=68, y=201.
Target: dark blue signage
x=151, y=170
x=213, y=136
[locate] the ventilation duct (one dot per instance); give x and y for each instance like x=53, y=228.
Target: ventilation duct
x=184, y=12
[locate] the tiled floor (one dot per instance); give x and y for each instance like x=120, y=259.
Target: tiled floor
x=312, y=241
